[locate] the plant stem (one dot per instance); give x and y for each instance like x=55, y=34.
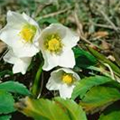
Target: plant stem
x=35, y=86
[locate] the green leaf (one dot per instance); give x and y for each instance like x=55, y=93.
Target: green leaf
x=101, y=58
x=75, y=111
x=5, y=117
x=42, y=109
x=83, y=58
x=6, y=102
x=5, y=72
x=111, y=113
x=3, y=3
x=87, y=83
x=47, y=20
x=113, y=84
x=15, y=87
x=99, y=96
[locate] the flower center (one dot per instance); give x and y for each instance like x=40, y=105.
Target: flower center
x=28, y=32
x=67, y=78
x=53, y=43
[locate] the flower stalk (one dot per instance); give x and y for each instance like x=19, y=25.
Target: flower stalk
x=35, y=86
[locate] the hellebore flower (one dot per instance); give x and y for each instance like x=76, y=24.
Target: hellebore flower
x=21, y=33
x=63, y=80
x=19, y=64
x=56, y=42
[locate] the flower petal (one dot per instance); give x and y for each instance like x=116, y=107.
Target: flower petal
x=27, y=50
x=67, y=59
x=66, y=70
x=53, y=28
x=33, y=22
x=15, y=18
x=21, y=49
x=19, y=64
x=66, y=91
x=29, y=20
x=10, y=57
x=10, y=35
x=51, y=61
x=69, y=38
x=54, y=81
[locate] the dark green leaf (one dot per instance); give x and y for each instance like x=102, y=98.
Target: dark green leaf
x=83, y=58
x=42, y=109
x=6, y=102
x=99, y=96
x=87, y=83
x=75, y=111
x=5, y=72
x=15, y=87
x=5, y=117
x=103, y=60
x=111, y=113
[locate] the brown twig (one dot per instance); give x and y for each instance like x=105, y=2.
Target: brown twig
x=55, y=13
x=80, y=28
x=40, y=8
x=107, y=19
x=81, y=33
x=105, y=26
x=78, y=23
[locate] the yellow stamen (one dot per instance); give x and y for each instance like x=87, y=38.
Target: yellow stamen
x=53, y=43
x=67, y=78
x=27, y=33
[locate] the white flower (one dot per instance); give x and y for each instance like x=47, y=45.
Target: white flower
x=56, y=42
x=21, y=33
x=63, y=80
x=19, y=64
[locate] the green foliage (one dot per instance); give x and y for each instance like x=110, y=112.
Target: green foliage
x=101, y=58
x=14, y=87
x=87, y=83
x=5, y=117
x=111, y=113
x=57, y=109
x=99, y=96
x=5, y=72
x=97, y=92
x=75, y=111
x=6, y=102
x=47, y=20
x=83, y=58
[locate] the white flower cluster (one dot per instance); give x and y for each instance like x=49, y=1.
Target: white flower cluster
x=25, y=39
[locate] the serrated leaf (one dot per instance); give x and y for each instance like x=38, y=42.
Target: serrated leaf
x=111, y=113
x=87, y=83
x=42, y=109
x=6, y=102
x=75, y=111
x=5, y=117
x=14, y=87
x=99, y=96
x=83, y=58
